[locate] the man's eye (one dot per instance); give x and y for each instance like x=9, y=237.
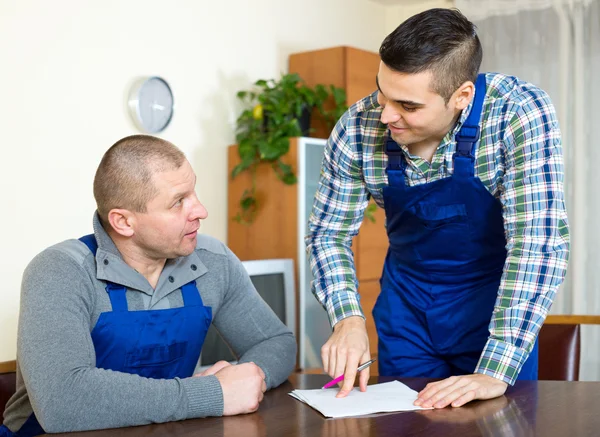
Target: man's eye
x=409, y=108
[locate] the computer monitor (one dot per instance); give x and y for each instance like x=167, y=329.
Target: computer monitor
x=274, y=282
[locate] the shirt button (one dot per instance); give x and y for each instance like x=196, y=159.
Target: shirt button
x=105, y=262
x=171, y=279
x=194, y=268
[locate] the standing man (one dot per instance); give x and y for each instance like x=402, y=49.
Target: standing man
x=469, y=170
x=112, y=325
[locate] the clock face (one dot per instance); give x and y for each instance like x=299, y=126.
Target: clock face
x=152, y=104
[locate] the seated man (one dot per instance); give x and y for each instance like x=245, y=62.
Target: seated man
x=112, y=325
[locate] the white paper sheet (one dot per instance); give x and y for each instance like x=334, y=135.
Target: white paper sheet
x=379, y=398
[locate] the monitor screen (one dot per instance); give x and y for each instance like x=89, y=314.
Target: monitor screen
x=274, y=282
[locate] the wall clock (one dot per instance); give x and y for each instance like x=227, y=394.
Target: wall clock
x=151, y=104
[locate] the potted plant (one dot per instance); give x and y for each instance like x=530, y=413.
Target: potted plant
x=277, y=110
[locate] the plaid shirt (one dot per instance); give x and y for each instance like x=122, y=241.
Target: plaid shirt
x=519, y=160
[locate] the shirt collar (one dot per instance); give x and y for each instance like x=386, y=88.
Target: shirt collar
x=110, y=266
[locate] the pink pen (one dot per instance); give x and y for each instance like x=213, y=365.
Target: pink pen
x=341, y=377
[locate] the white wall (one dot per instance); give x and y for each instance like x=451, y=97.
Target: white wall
x=403, y=9
x=66, y=66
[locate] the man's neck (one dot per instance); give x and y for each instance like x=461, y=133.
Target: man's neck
x=148, y=267
x=424, y=149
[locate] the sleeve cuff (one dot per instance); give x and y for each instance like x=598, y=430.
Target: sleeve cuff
x=205, y=396
x=343, y=305
x=501, y=360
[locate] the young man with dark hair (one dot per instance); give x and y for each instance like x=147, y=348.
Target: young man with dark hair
x=469, y=170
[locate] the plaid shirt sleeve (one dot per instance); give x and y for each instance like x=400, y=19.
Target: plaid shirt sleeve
x=537, y=236
x=336, y=217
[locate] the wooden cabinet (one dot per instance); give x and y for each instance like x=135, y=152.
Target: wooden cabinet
x=352, y=69
x=281, y=223
x=369, y=291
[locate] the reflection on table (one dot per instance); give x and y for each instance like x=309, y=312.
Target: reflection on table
x=530, y=408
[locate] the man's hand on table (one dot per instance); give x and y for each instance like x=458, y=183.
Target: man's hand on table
x=458, y=390
x=243, y=386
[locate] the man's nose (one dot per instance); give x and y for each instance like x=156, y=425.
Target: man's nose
x=199, y=211
x=389, y=115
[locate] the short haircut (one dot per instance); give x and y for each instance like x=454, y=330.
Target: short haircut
x=124, y=177
x=442, y=41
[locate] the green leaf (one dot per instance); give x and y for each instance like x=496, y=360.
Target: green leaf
x=339, y=96
x=283, y=167
x=246, y=150
x=284, y=172
x=244, y=165
x=237, y=170
x=248, y=202
x=370, y=212
x=289, y=179
x=271, y=150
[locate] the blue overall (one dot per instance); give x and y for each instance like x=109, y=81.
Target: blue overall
x=443, y=267
x=160, y=344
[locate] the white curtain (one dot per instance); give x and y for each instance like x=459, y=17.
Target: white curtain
x=555, y=44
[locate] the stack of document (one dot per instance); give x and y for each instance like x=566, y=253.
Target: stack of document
x=379, y=398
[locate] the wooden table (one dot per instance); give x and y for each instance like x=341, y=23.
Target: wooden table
x=544, y=408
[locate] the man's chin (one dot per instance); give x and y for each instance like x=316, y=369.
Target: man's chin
x=405, y=139
x=400, y=138
x=189, y=246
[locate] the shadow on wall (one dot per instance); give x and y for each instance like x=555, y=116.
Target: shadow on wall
x=219, y=112
x=8, y=328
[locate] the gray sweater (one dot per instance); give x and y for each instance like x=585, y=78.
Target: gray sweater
x=62, y=296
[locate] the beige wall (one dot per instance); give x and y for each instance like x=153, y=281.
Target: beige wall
x=404, y=9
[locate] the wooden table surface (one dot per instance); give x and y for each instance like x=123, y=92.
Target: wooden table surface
x=530, y=408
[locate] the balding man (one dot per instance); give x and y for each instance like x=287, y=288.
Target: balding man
x=111, y=325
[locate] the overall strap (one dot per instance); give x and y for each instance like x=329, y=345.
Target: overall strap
x=396, y=163
x=191, y=295
x=116, y=292
x=90, y=242
x=468, y=135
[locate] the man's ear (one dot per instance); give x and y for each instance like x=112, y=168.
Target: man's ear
x=122, y=221
x=463, y=95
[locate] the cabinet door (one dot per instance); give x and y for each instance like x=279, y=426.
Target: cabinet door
x=361, y=69
x=371, y=245
x=369, y=291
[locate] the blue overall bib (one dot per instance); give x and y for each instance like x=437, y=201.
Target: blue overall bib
x=443, y=267
x=159, y=344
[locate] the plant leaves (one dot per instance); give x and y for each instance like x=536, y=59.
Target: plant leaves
x=270, y=150
x=268, y=139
